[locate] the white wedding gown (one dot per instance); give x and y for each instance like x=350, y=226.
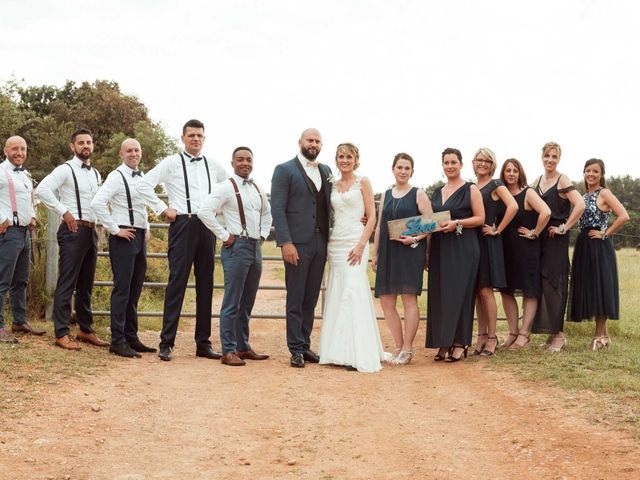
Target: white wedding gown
x=349, y=333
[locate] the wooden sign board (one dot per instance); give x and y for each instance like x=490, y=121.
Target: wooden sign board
x=412, y=226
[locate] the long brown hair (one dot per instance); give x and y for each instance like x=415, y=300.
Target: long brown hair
x=522, y=177
x=594, y=161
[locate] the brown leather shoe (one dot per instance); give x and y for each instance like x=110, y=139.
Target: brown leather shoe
x=251, y=355
x=27, y=328
x=91, y=338
x=232, y=360
x=66, y=343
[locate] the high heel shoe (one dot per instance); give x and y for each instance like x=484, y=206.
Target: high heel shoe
x=404, y=358
x=606, y=340
x=507, y=343
x=391, y=357
x=442, y=354
x=485, y=351
x=480, y=348
x=451, y=358
x=520, y=346
x=597, y=344
x=557, y=345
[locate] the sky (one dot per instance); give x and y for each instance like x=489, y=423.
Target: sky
x=388, y=75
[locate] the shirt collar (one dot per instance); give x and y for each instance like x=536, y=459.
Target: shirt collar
x=189, y=156
x=76, y=161
x=239, y=180
x=126, y=168
x=10, y=166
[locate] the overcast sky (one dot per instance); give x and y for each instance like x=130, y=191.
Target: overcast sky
x=390, y=76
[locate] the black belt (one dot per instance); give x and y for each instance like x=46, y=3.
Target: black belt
x=186, y=215
x=135, y=228
x=19, y=227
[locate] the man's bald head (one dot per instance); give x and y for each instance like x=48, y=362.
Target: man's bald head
x=310, y=143
x=15, y=149
x=131, y=153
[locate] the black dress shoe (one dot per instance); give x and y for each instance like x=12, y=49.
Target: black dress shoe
x=297, y=360
x=207, y=352
x=123, y=350
x=138, y=346
x=311, y=356
x=165, y=353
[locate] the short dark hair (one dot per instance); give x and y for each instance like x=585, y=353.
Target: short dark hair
x=454, y=151
x=402, y=156
x=80, y=131
x=237, y=149
x=193, y=123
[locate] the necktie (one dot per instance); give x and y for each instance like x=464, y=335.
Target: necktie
x=18, y=169
x=88, y=167
x=247, y=181
x=312, y=163
x=196, y=159
x=137, y=173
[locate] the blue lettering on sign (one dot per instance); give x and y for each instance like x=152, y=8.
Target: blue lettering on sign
x=416, y=227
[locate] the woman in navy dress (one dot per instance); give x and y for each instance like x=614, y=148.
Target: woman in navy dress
x=566, y=207
x=594, y=275
x=453, y=263
x=491, y=274
x=399, y=263
x=522, y=253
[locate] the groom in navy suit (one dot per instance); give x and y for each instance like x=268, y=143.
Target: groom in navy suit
x=300, y=205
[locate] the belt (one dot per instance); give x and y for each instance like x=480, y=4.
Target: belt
x=187, y=215
x=127, y=226
x=84, y=223
x=19, y=227
x=246, y=238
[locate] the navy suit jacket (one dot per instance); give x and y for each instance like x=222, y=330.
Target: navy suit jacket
x=293, y=201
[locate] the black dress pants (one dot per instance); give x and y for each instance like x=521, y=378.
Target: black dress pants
x=190, y=243
x=76, y=271
x=128, y=264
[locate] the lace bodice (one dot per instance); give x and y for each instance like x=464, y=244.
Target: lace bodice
x=348, y=209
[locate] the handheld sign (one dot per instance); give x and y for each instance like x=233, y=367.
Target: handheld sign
x=412, y=226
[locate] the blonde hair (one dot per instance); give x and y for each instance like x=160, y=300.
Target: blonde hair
x=352, y=149
x=487, y=152
x=550, y=146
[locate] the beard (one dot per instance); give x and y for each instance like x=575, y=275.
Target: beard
x=311, y=155
x=84, y=154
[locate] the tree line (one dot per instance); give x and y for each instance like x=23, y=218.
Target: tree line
x=46, y=115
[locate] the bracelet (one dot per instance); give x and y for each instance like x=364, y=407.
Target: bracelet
x=458, y=227
x=604, y=235
x=415, y=242
x=533, y=234
x=561, y=228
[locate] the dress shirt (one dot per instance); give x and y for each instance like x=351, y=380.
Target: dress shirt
x=312, y=172
x=24, y=201
x=169, y=172
x=112, y=195
x=223, y=197
x=60, y=182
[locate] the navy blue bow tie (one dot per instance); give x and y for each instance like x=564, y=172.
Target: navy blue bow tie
x=196, y=159
x=247, y=181
x=84, y=165
x=19, y=169
x=137, y=173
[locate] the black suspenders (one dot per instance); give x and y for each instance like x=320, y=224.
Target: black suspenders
x=75, y=184
x=128, y=192
x=186, y=180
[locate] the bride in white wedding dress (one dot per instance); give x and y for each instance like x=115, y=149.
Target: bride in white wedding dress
x=349, y=335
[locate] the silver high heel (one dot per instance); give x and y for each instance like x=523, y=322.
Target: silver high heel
x=404, y=357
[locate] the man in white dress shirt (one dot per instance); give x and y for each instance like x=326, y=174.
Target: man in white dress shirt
x=188, y=178
x=17, y=218
x=247, y=216
x=123, y=213
x=68, y=191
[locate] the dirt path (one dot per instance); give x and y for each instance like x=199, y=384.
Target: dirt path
x=194, y=418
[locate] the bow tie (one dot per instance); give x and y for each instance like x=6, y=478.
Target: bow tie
x=84, y=165
x=136, y=173
x=19, y=169
x=196, y=159
x=312, y=163
x=247, y=181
